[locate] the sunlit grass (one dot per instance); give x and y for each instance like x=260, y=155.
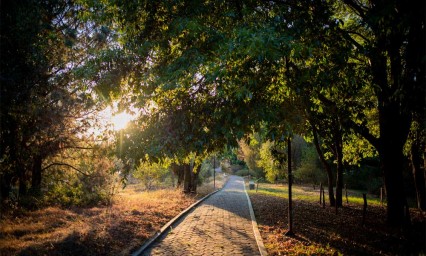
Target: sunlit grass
x=309, y=194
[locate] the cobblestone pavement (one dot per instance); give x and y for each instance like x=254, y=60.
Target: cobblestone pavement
x=220, y=225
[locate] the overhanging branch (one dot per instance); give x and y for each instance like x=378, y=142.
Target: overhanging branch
x=64, y=164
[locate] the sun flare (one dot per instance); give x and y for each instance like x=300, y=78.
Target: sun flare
x=121, y=120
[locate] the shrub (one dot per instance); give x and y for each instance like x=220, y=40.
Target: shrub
x=95, y=181
x=309, y=170
x=242, y=172
x=151, y=173
x=206, y=171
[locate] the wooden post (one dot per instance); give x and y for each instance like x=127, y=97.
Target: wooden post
x=381, y=196
x=214, y=173
x=257, y=185
x=290, y=180
x=323, y=198
x=320, y=193
x=346, y=194
x=364, y=209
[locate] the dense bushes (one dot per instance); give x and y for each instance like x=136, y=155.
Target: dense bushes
x=310, y=169
x=152, y=174
x=95, y=181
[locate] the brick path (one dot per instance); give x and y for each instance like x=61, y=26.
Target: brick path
x=220, y=225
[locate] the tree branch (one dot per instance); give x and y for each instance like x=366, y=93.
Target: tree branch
x=64, y=164
x=318, y=147
x=365, y=132
x=356, y=7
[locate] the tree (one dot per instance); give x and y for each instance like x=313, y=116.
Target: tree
x=309, y=171
x=251, y=150
x=151, y=173
x=45, y=105
x=32, y=88
x=237, y=60
x=391, y=36
x=272, y=169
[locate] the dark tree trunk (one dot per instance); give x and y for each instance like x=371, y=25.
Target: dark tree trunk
x=418, y=174
x=339, y=158
x=178, y=170
x=394, y=122
x=187, y=179
x=22, y=180
x=194, y=179
x=394, y=129
x=5, y=185
x=36, y=176
x=327, y=167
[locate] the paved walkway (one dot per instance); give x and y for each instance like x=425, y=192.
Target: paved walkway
x=221, y=225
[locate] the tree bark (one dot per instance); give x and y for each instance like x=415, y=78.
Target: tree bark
x=327, y=167
x=418, y=174
x=22, y=180
x=5, y=185
x=339, y=157
x=178, y=170
x=394, y=129
x=194, y=179
x=36, y=176
x=187, y=178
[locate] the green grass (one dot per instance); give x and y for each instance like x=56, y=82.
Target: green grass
x=305, y=193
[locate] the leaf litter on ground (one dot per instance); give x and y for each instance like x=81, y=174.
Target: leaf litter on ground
x=320, y=231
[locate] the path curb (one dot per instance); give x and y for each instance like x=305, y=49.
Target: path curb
x=165, y=228
x=256, y=232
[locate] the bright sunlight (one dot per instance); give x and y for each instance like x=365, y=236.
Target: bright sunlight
x=121, y=120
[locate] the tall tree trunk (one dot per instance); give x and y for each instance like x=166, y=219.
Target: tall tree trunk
x=418, y=174
x=194, y=179
x=5, y=185
x=178, y=170
x=22, y=180
x=187, y=178
x=327, y=167
x=339, y=157
x=393, y=134
x=36, y=176
x=394, y=123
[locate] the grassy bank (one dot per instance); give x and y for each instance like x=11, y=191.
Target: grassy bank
x=311, y=194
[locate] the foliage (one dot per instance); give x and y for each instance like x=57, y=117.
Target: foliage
x=367, y=177
x=209, y=77
x=251, y=154
x=47, y=106
x=94, y=181
x=242, y=172
x=310, y=170
x=272, y=169
x=151, y=173
x=231, y=153
x=206, y=171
